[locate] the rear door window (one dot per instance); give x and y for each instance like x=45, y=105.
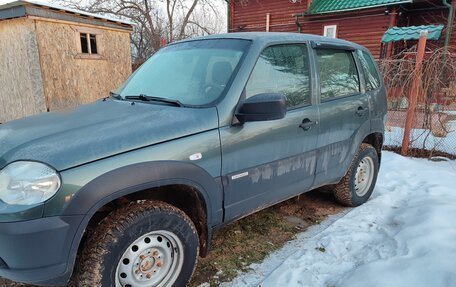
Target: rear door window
x=369, y=71
x=338, y=74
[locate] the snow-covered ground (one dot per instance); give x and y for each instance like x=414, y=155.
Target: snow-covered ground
x=424, y=138
x=405, y=235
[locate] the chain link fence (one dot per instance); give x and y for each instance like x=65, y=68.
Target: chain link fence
x=434, y=128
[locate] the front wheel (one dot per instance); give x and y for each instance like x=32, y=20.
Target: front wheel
x=357, y=185
x=146, y=243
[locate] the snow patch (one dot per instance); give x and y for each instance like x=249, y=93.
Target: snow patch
x=403, y=236
x=422, y=138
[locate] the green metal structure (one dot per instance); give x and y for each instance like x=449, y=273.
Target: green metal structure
x=395, y=34
x=332, y=6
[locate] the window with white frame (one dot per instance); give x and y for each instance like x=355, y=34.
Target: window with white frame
x=330, y=31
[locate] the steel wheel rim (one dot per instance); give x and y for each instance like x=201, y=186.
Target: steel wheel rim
x=364, y=176
x=154, y=259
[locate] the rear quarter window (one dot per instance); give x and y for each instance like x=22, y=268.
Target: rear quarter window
x=370, y=73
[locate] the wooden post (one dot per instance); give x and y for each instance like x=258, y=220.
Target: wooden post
x=414, y=91
x=392, y=23
x=268, y=20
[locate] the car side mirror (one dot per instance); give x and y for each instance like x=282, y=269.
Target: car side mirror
x=262, y=107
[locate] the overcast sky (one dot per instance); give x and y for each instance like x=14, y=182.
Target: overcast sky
x=221, y=4
x=7, y=1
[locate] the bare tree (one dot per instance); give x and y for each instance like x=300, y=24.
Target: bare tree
x=159, y=20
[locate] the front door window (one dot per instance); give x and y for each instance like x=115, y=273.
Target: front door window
x=282, y=69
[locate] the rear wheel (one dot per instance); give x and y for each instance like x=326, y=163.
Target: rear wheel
x=357, y=185
x=146, y=243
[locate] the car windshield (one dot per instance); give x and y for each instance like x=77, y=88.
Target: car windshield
x=192, y=73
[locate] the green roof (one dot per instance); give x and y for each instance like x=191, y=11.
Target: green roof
x=333, y=6
x=411, y=33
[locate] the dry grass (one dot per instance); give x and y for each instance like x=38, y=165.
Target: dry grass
x=422, y=153
x=249, y=240
x=435, y=93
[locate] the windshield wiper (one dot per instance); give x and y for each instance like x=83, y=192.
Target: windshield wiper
x=115, y=96
x=147, y=98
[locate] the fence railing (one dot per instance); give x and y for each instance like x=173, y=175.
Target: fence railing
x=433, y=130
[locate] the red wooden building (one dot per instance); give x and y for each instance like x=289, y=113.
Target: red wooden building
x=362, y=21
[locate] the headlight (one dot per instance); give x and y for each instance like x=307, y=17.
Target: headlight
x=28, y=183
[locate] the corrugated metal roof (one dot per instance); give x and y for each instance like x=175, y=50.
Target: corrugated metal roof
x=412, y=33
x=333, y=6
x=8, y=7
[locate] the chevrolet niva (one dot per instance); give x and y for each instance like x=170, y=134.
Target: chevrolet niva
x=127, y=191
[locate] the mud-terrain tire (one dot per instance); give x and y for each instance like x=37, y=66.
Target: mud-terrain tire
x=357, y=185
x=134, y=241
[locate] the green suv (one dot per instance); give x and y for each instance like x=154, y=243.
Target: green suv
x=128, y=190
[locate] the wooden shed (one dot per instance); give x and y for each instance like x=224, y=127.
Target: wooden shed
x=360, y=21
x=54, y=58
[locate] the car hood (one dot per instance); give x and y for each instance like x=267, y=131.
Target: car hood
x=98, y=130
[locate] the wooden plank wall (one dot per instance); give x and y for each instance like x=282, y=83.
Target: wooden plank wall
x=365, y=27
x=434, y=17
x=252, y=15
x=70, y=80
x=21, y=87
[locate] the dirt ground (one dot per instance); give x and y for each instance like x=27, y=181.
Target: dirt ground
x=250, y=239
x=421, y=153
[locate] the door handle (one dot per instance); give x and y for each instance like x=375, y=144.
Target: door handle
x=361, y=111
x=307, y=124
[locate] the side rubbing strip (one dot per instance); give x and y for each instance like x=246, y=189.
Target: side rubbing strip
x=244, y=174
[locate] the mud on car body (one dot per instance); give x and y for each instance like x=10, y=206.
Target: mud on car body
x=127, y=191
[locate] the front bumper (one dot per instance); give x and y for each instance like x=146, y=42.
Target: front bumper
x=37, y=251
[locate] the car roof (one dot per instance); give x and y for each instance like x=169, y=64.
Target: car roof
x=272, y=37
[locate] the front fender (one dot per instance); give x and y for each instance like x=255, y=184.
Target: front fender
x=138, y=177
x=146, y=175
